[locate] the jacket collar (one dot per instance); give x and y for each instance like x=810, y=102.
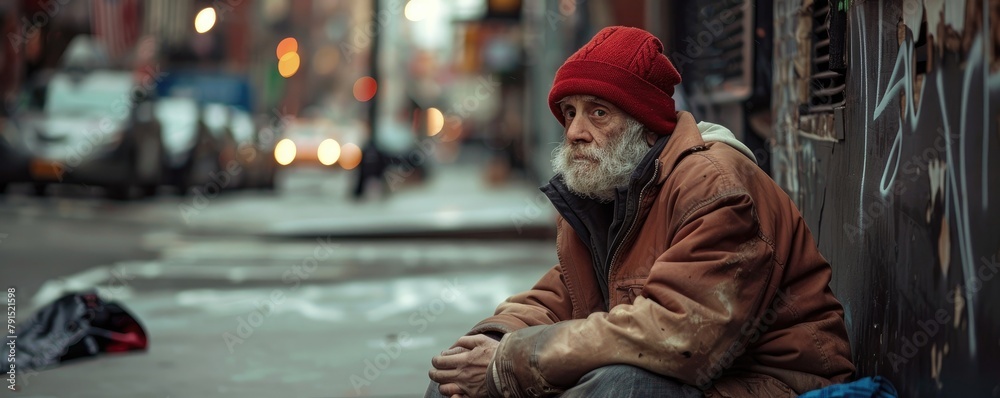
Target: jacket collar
x=685, y=139
x=598, y=225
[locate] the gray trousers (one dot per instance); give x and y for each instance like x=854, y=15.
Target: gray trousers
x=617, y=381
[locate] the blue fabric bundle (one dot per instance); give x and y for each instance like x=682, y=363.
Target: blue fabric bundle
x=868, y=387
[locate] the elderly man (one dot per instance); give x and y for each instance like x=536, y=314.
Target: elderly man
x=683, y=269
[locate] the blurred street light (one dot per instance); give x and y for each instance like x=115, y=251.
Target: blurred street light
x=418, y=10
x=328, y=152
x=288, y=45
x=365, y=88
x=205, y=20
x=350, y=156
x=284, y=152
x=435, y=121
x=289, y=64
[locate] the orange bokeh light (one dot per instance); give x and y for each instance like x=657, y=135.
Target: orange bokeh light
x=288, y=45
x=289, y=64
x=350, y=156
x=365, y=88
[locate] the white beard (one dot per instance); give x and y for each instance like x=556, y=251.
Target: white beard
x=604, y=168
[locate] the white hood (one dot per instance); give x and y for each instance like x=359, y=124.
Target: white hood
x=711, y=132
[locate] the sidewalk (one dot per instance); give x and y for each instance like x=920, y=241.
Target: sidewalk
x=233, y=312
x=225, y=319
x=454, y=202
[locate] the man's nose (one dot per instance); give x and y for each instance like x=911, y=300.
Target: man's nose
x=578, y=131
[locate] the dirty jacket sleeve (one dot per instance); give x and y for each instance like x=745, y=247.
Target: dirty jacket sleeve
x=697, y=308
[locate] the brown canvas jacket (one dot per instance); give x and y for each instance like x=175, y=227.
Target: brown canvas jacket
x=716, y=282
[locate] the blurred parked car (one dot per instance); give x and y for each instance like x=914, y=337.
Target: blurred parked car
x=226, y=132
x=86, y=124
x=89, y=130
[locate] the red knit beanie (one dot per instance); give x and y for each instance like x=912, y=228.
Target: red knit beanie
x=626, y=67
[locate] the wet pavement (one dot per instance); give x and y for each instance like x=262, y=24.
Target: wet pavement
x=272, y=294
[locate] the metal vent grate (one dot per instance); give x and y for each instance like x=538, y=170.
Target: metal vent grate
x=826, y=86
x=721, y=69
x=723, y=58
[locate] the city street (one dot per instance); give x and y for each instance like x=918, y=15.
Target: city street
x=313, y=198
x=277, y=294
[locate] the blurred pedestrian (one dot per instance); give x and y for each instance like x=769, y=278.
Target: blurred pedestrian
x=389, y=147
x=371, y=171
x=683, y=269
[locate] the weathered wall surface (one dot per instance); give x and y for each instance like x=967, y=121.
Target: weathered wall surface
x=905, y=198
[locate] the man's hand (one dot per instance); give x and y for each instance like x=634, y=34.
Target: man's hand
x=461, y=370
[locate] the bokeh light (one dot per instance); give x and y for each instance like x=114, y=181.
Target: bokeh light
x=365, y=88
x=288, y=45
x=288, y=65
x=205, y=20
x=328, y=152
x=350, y=156
x=567, y=7
x=416, y=10
x=284, y=152
x=435, y=121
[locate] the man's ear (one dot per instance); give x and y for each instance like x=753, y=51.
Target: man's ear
x=650, y=137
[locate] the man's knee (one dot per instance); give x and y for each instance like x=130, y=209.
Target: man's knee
x=627, y=380
x=433, y=391
x=616, y=372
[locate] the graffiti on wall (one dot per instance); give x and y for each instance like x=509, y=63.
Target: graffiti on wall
x=952, y=180
x=902, y=204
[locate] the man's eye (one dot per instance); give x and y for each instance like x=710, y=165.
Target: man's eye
x=570, y=114
x=600, y=112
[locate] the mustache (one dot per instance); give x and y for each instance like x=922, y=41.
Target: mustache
x=581, y=152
